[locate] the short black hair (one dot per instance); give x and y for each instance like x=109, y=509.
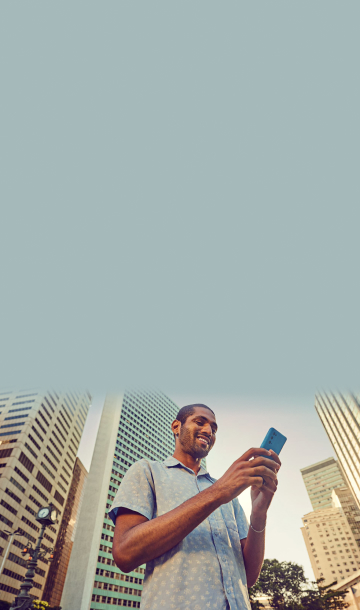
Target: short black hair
x=187, y=411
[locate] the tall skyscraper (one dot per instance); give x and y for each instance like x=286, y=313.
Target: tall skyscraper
x=331, y=546
x=57, y=573
x=133, y=425
x=340, y=416
x=40, y=434
x=320, y=479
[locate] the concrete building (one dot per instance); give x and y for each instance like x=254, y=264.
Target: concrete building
x=343, y=498
x=40, y=434
x=352, y=584
x=57, y=573
x=133, y=425
x=340, y=416
x=320, y=479
x=331, y=545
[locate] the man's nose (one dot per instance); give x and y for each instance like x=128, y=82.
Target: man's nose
x=207, y=429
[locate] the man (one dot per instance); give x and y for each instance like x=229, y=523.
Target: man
x=190, y=529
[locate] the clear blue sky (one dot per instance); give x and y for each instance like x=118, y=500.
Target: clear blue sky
x=243, y=423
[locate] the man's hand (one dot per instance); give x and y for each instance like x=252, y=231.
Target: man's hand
x=262, y=496
x=253, y=469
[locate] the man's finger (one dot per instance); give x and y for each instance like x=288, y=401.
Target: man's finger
x=265, y=461
x=252, y=453
x=263, y=471
x=275, y=457
x=270, y=486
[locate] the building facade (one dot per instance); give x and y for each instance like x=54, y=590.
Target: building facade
x=351, y=584
x=40, y=434
x=343, y=498
x=320, y=479
x=133, y=425
x=340, y=416
x=332, y=548
x=57, y=573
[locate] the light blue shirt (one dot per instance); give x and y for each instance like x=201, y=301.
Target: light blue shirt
x=206, y=569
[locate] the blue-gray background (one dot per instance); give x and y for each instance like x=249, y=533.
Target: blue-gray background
x=180, y=195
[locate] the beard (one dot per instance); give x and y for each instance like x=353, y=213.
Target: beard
x=189, y=445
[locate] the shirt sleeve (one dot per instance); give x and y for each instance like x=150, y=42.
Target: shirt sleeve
x=241, y=520
x=136, y=491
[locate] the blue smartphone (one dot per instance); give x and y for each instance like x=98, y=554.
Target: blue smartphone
x=273, y=440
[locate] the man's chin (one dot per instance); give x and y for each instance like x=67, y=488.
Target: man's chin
x=200, y=453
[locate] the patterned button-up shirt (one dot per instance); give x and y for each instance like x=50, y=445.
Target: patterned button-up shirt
x=206, y=569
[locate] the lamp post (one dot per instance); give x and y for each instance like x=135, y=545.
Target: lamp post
x=46, y=516
x=12, y=534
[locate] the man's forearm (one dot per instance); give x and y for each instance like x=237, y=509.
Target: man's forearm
x=151, y=539
x=254, y=549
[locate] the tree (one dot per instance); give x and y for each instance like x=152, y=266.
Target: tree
x=282, y=582
x=287, y=588
x=321, y=597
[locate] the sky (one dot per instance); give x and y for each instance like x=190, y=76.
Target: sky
x=180, y=195
x=243, y=423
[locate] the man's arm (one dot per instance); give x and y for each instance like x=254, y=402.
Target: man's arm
x=253, y=546
x=138, y=540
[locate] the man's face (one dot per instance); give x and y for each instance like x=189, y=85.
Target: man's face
x=198, y=434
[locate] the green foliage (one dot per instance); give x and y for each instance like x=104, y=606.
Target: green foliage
x=320, y=597
x=282, y=582
x=287, y=588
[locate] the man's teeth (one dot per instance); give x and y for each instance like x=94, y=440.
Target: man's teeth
x=205, y=440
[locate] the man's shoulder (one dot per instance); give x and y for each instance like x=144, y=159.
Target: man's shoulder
x=145, y=465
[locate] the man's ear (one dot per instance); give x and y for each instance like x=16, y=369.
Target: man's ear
x=175, y=426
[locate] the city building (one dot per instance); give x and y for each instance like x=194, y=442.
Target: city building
x=352, y=585
x=40, y=434
x=320, y=479
x=57, y=573
x=331, y=545
x=133, y=425
x=340, y=416
x=343, y=498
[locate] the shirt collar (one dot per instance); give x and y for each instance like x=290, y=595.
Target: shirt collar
x=170, y=462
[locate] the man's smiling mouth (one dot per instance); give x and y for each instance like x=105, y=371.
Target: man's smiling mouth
x=204, y=440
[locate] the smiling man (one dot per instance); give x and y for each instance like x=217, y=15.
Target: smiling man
x=190, y=529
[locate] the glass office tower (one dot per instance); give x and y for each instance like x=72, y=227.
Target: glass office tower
x=320, y=479
x=340, y=416
x=133, y=425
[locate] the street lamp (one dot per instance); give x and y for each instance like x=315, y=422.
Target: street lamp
x=47, y=515
x=12, y=534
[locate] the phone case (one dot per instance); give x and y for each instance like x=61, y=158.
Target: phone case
x=274, y=440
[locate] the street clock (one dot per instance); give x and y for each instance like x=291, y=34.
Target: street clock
x=47, y=515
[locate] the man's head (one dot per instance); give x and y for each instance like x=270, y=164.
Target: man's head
x=195, y=430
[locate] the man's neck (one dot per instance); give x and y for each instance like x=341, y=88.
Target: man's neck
x=188, y=460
